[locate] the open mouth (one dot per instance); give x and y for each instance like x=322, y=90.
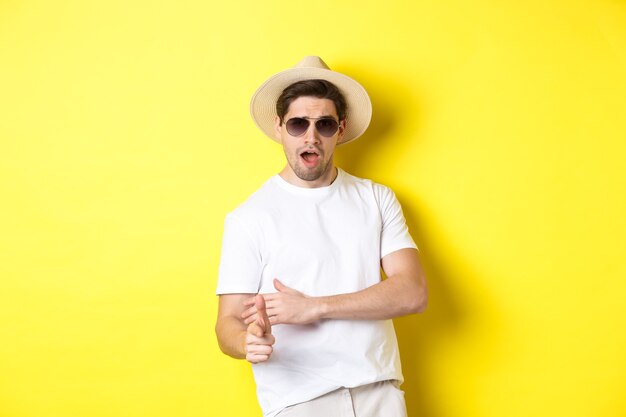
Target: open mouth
x=310, y=158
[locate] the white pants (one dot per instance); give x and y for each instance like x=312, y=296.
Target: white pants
x=380, y=399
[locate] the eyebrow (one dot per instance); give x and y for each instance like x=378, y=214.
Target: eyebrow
x=326, y=116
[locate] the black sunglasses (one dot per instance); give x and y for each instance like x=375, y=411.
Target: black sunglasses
x=326, y=126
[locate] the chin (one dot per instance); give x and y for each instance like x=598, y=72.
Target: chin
x=308, y=176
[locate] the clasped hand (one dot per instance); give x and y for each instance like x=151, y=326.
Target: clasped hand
x=286, y=306
x=258, y=337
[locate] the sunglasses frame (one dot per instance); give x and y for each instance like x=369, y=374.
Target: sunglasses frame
x=317, y=120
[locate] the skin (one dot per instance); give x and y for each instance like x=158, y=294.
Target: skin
x=403, y=292
x=296, y=171
x=245, y=321
x=252, y=341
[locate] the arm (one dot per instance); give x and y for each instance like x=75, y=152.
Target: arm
x=403, y=292
x=252, y=341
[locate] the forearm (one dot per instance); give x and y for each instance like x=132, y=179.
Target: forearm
x=231, y=336
x=403, y=292
x=395, y=297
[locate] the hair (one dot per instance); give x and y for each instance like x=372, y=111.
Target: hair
x=311, y=88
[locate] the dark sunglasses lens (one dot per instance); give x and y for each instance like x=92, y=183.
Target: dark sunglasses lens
x=327, y=127
x=297, y=126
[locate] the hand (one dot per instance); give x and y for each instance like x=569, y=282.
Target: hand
x=287, y=306
x=259, y=339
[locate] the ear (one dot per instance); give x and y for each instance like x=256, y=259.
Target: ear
x=278, y=129
x=342, y=130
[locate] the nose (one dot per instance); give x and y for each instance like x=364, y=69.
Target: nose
x=311, y=135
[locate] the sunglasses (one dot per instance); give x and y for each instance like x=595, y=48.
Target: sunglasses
x=298, y=126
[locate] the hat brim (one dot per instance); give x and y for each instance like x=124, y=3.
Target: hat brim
x=263, y=103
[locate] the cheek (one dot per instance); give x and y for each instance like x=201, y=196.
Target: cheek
x=290, y=150
x=329, y=149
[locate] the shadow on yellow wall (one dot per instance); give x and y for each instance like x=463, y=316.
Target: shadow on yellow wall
x=420, y=337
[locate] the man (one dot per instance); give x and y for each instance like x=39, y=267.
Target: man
x=301, y=295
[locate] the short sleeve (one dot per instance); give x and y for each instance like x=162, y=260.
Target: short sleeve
x=240, y=263
x=395, y=233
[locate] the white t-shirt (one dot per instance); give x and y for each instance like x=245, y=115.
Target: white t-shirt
x=319, y=241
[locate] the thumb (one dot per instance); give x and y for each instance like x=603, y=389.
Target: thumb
x=263, y=319
x=279, y=285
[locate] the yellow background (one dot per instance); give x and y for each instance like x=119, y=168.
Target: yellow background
x=125, y=139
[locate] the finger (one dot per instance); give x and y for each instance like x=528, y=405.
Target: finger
x=249, y=312
x=270, y=297
x=249, y=302
x=256, y=329
x=254, y=358
x=279, y=285
x=250, y=319
x=260, y=349
x=262, y=318
x=282, y=288
x=267, y=340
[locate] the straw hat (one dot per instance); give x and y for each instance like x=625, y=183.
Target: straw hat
x=263, y=103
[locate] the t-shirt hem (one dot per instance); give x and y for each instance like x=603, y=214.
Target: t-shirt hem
x=235, y=291
x=397, y=248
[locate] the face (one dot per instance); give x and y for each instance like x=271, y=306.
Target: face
x=309, y=156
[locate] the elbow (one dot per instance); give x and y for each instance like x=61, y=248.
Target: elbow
x=422, y=304
x=230, y=343
x=218, y=336
x=418, y=302
x=222, y=342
